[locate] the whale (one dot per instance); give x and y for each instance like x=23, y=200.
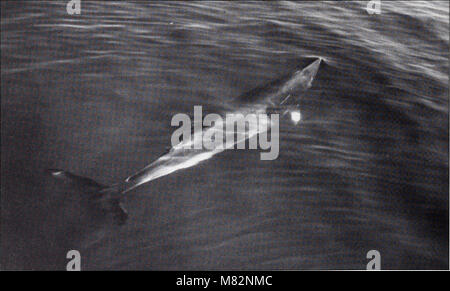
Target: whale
x=281, y=96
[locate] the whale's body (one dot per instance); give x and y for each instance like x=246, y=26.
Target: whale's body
x=184, y=155
x=256, y=101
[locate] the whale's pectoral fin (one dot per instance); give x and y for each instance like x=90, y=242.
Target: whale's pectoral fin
x=107, y=199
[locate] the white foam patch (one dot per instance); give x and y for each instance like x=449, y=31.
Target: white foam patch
x=296, y=116
x=57, y=173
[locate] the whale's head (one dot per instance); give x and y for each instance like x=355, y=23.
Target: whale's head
x=300, y=81
x=287, y=99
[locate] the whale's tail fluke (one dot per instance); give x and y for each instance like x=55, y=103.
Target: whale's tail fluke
x=105, y=199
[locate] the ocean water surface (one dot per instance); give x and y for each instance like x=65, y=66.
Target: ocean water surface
x=94, y=94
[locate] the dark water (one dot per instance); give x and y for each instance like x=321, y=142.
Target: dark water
x=367, y=168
